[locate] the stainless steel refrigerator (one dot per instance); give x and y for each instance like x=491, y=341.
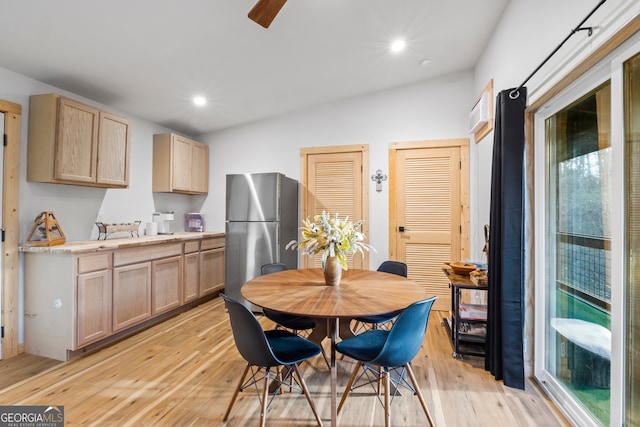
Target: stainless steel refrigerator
x=261, y=218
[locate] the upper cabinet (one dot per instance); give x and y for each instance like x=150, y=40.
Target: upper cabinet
x=180, y=165
x=73, y=143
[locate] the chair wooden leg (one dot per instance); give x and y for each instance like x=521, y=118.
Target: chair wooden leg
x=265, y=398
x=387, y=403
x=420, y=398
x=326, y=359
x=296, y=369
x=235, y=393
x=347, y=390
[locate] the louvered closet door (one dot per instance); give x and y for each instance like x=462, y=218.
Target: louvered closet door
x=428, y=206
x=334, y=184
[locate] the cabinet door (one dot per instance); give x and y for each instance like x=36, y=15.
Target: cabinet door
x=191, y=276
x=113, y=151
x=76, y=142
x=93, y=299
x=182, y=158
x=166, y=284
x=200, y=168
x=131, y=295
x=211, y=271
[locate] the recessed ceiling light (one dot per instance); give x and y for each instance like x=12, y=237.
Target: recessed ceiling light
x=199, y=101
x=398, y=46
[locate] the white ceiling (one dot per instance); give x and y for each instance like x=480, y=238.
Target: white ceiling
x=150, y=57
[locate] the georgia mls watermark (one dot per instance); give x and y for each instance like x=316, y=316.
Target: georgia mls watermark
x=31, y=416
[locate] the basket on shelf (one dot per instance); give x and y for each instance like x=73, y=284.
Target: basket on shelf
x=462, y=268
x=105, y=229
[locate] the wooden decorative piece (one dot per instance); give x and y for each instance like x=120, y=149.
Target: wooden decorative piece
x=45, y=231
x=332, y=271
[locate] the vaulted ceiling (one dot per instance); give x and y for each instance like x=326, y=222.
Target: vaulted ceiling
x=149, y=58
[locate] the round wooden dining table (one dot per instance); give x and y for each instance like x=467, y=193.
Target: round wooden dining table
x=360, y=293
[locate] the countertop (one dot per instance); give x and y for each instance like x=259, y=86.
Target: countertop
x=119, y=243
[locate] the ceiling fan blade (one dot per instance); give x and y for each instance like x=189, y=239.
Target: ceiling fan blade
x=265, y=11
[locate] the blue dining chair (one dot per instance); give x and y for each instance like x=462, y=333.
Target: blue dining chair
x=375, y=322
x=288, y=321
x=380, y=352
x=264, y=351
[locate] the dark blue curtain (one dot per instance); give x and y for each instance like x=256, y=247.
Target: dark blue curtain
x=504, y=348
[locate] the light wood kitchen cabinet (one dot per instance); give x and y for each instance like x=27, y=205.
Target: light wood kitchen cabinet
x=131, y=295
x=200, y=168
x=180, y=165
x=211, y=266
x=113, y=151
x=93, y=299
x=166, y=284
x=79, y=301
x=73, y=143
x=191, y=271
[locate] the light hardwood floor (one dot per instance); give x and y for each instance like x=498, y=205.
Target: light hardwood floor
x=183, y=372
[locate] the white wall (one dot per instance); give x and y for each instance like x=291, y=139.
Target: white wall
x=76, y=208
x=526, y=34
x=435, y=109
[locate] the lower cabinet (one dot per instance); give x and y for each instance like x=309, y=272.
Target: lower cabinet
x=93, y=307
x=191, y=281
x=166, y=284
x=131, y=295
x=211, y=271
x=211, y=266
x=73, y=301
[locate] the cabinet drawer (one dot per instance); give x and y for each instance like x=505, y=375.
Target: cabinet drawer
x=97, y=262
x=216, y=242
x=135, y=255
x=190, y=247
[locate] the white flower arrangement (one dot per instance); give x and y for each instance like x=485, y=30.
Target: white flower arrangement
x=331, y=235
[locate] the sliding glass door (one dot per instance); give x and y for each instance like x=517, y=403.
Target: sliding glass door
x=587, y=249
x=578, y=244
x=632, y=250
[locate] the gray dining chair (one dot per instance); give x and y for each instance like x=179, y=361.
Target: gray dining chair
x=383, y=320
x=297, y=324
x=264, y=351
x=287, y=321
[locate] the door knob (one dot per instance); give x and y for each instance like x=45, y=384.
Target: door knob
x=401, y=229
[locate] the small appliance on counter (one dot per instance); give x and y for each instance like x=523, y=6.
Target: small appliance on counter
x=164, y=222
x=194, y=221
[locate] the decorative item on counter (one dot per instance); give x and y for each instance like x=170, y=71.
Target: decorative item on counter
x=479, y=277
x=335, y=238
x=105, y=229
x=45, y=231
x=485, y=249
x=462, y=268
x=194, y=221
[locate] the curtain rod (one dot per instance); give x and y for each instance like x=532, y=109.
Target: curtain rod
x=515, y=93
